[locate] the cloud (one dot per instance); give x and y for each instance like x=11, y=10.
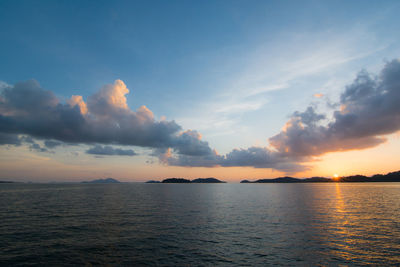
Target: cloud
x=77, y=100
x=38, y=148
x=211, y=159
x=109, y=150
x=369, y=110
x=28, y=109
x=3, y=85
x=16, y=140
x=190, y=143
x=110, y=100
x=52, y=143
x=9, y=139
x=256, y=157
x=318, y=95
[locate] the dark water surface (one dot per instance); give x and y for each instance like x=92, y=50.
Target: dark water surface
x=200, y=224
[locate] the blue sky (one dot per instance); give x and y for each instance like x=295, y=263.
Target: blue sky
x=233, y=70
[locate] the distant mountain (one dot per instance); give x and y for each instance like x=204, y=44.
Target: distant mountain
x=6, y=182
x=280, y=180
x=355, y=178
x=390, y=177
x=176, y=180
x=207, y=180
x=103, y=181
x=153, y=182
x=318, y=180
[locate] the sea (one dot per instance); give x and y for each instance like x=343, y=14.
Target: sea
x=137, y=224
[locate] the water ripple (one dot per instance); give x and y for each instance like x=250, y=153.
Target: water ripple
x=200, y=225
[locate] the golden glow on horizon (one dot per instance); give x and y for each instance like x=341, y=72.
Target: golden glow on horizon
x=26, y=165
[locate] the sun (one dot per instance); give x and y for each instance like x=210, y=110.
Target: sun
x=335, y=176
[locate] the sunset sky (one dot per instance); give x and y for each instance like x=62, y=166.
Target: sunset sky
x=140, y=90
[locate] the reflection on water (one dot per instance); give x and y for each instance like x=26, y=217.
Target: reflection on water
x=365, y=222
x=208, y=224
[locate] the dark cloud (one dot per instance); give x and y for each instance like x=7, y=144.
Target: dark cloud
x=253, y=156
x=256, y=157
x=368, y=110
x=26, y=108
x=190, y=143
x=52, y=143
x=109, y=150
x=38, y=148
x=209, y=160
x=14, y=139
x=9, y=139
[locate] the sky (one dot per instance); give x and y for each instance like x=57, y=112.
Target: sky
x=140, y=90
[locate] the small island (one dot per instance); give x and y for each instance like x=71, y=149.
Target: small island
x=176, y=180
x=210, y=180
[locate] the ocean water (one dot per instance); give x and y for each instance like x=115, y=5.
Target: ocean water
x=200, y=224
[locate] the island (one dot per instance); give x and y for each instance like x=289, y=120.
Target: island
x=210, y=180
x=176, y=181
x=103, y=181
x=389, y=177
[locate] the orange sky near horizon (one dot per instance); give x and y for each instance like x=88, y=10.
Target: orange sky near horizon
x=24, y=165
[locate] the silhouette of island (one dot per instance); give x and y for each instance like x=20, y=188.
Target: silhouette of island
x=285, y=179
x=176, y=180
x=186, y=181
x=103, y=181
x=389, y=177
x=153, y=182
x=207, y=180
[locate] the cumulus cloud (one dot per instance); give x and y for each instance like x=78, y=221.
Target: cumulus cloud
x=256, y=157
x=369, y=110
x=109, y=150
x=190, y=143
x=28, y=109
x=77, y=100
x=110, y=100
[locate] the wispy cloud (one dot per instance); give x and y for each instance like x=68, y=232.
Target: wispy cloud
x=368, y=111
x=286, y=62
